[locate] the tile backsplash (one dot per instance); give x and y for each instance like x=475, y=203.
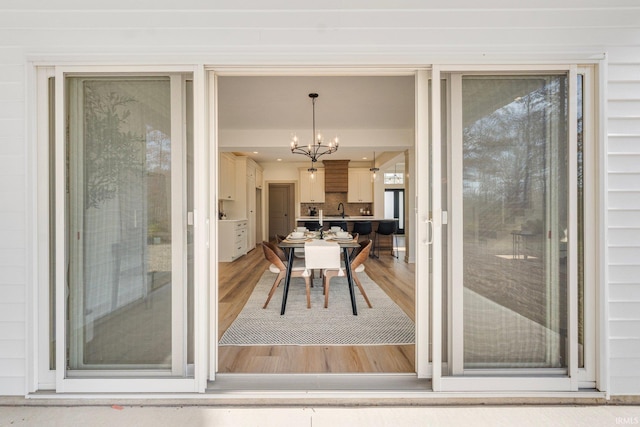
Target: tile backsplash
x=330, y=205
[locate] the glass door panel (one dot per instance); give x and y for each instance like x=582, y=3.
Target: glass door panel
x=514, y=201
x=121, y=226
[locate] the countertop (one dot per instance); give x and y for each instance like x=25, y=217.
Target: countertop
x=339, y=218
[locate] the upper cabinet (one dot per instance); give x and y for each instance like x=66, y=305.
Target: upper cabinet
x=311, y=191
x=226, y=177
x=360, y=187
x=254, y=172
x=259, y=177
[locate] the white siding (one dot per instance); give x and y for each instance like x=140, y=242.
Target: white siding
x=13, y=223
x=624, y=221
x=330, y=32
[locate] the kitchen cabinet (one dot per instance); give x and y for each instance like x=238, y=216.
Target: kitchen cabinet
x=259, y=177
x=226, y=177
x=232, y=239
x=311, y=191
x=244, y=204
x=360, y=187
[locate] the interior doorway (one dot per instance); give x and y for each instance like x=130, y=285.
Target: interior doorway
x=238, y=280
x=281, y=209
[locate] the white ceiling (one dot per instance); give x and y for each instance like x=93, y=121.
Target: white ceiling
x=260, y=113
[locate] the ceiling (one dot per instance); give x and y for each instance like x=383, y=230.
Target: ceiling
x=368, y=113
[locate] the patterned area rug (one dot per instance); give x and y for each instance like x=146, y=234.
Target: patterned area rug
x=383, y=324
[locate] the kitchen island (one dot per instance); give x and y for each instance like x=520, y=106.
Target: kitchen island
x=350, y=220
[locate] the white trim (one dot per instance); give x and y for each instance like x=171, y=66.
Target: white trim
x=456, y=283
x=422, y=249
x=603, y=375
x=60, y=244
x=572, y=233
x=200, y=229
x=436, y=218
x=178, y=228
x=212, y=337
x=45, y=376
x=591, y=239
x=127, y=385
x=481, y=383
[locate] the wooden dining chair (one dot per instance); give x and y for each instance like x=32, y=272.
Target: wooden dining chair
x=277, y=249
x=357, y=266
x=278, y=266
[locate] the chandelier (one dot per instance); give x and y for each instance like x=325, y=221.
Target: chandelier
x=317, y=147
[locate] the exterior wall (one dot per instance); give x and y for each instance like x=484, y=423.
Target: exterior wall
x=357, y=32
x=623, y=103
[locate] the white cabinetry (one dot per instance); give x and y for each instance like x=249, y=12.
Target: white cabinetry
x=259, y=177
x=360, y=188
x=244, y=204
x=311, y=191
x=226, y=177
x=232, y=239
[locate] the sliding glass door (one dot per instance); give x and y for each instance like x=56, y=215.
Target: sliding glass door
x=126, y=221
x=514, y=224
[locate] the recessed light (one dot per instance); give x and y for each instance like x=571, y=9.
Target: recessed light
x=279, y=160
x=255, y=152
x=364, y=158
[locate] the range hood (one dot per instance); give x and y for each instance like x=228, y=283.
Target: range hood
x=336, y=176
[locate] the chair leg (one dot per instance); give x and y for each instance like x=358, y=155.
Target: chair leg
x=307, y=281
x=375, y=245
x=393, y=246
x=327, y=281
x=364, y=294
x=273, y=288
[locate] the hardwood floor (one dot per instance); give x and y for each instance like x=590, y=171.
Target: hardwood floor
x=236, y=282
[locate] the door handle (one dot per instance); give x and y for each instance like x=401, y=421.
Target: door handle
x=430, y=231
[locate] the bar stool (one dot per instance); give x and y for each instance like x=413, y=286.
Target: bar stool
x=312, y=225
x=341, y=224
x=363, y=228
x=385, y=228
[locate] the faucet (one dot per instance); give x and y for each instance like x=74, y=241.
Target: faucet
x=341, y=205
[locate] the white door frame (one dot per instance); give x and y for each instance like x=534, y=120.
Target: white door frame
x=420, y=180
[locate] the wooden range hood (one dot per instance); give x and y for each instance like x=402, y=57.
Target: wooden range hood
x=336, y=176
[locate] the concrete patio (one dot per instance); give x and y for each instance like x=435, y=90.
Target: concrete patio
x=12, y=413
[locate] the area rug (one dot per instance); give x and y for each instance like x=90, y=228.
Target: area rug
x=384, y=324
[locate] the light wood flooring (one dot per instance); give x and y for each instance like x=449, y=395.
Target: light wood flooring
x=394, y=276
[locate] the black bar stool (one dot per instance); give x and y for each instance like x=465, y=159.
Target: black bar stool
x=363, y=228
x=312, y=225
x=385, y=228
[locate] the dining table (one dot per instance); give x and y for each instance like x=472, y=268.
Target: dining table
x=347, y=245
